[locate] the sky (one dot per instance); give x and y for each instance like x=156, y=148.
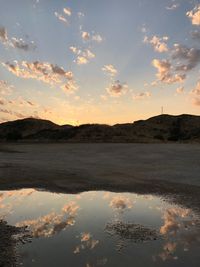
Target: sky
x=90, y=61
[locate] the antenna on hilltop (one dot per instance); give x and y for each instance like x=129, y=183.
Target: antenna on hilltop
x=162, y=110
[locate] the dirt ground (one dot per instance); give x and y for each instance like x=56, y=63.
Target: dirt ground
x=165, y=169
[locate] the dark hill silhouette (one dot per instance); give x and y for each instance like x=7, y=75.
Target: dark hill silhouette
x=162, y=128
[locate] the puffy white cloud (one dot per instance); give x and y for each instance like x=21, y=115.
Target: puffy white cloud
x=141, y=96
x=194, y=15
x=117, y=89
x=45, y=72
x=159, y=44
x=110, y=70
x=165, y=73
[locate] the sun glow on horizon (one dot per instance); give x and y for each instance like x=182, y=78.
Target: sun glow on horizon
x=89, y=70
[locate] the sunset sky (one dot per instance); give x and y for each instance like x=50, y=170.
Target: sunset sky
x=92, y=61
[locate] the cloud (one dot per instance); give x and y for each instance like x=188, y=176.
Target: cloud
x=195, y=35
x=141, y=96
x=196, y=95
x=67, y=11
x=80, y=15
x=52, y=223
x=14, y=113
x=165, y=73
x=110, y=70
x=15, y=42
x=87, y=242
x=83, y=56
x=194, y=15
x=2, y=102
x=5, y=88
x=190, y=55
x=45, y=72
x=159, y=44
x=97, y=38
x=121, y=203
x=173, y=6
x=117, y=89
x=180, y=90
x=61, y=17
x=21, y=44
x=75, y=50
x=3, y=35
x=172, y=219
x=86, y=36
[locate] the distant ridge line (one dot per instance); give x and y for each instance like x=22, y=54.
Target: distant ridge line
x=161, y=128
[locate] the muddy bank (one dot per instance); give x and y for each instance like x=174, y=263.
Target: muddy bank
x=10, y=236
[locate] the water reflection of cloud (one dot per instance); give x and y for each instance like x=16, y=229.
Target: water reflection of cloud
x=121, y=203
x=18, y=195
x=179, y=230
x=87, y=242
x=52, y=223
x=173, y=220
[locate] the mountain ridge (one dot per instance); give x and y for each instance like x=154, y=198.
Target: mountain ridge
x=161, y=128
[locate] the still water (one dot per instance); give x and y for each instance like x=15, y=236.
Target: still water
x=102, y=229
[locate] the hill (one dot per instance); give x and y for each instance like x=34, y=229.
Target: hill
x=162, y=128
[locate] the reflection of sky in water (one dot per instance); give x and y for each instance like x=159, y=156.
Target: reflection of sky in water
x=69, y=230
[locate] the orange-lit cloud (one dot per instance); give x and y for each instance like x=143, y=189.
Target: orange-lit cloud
x=196, y=95
x=52, y=223
x=87, y=242
x=159, y=44
x=165, y=73
x=194, y=15
x=110, y=70
x=117, y=89
x=141, y=96
x=45, y=72
x=121, y=203
x=83, y=56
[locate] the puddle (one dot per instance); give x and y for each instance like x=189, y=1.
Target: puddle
x=101, y=229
